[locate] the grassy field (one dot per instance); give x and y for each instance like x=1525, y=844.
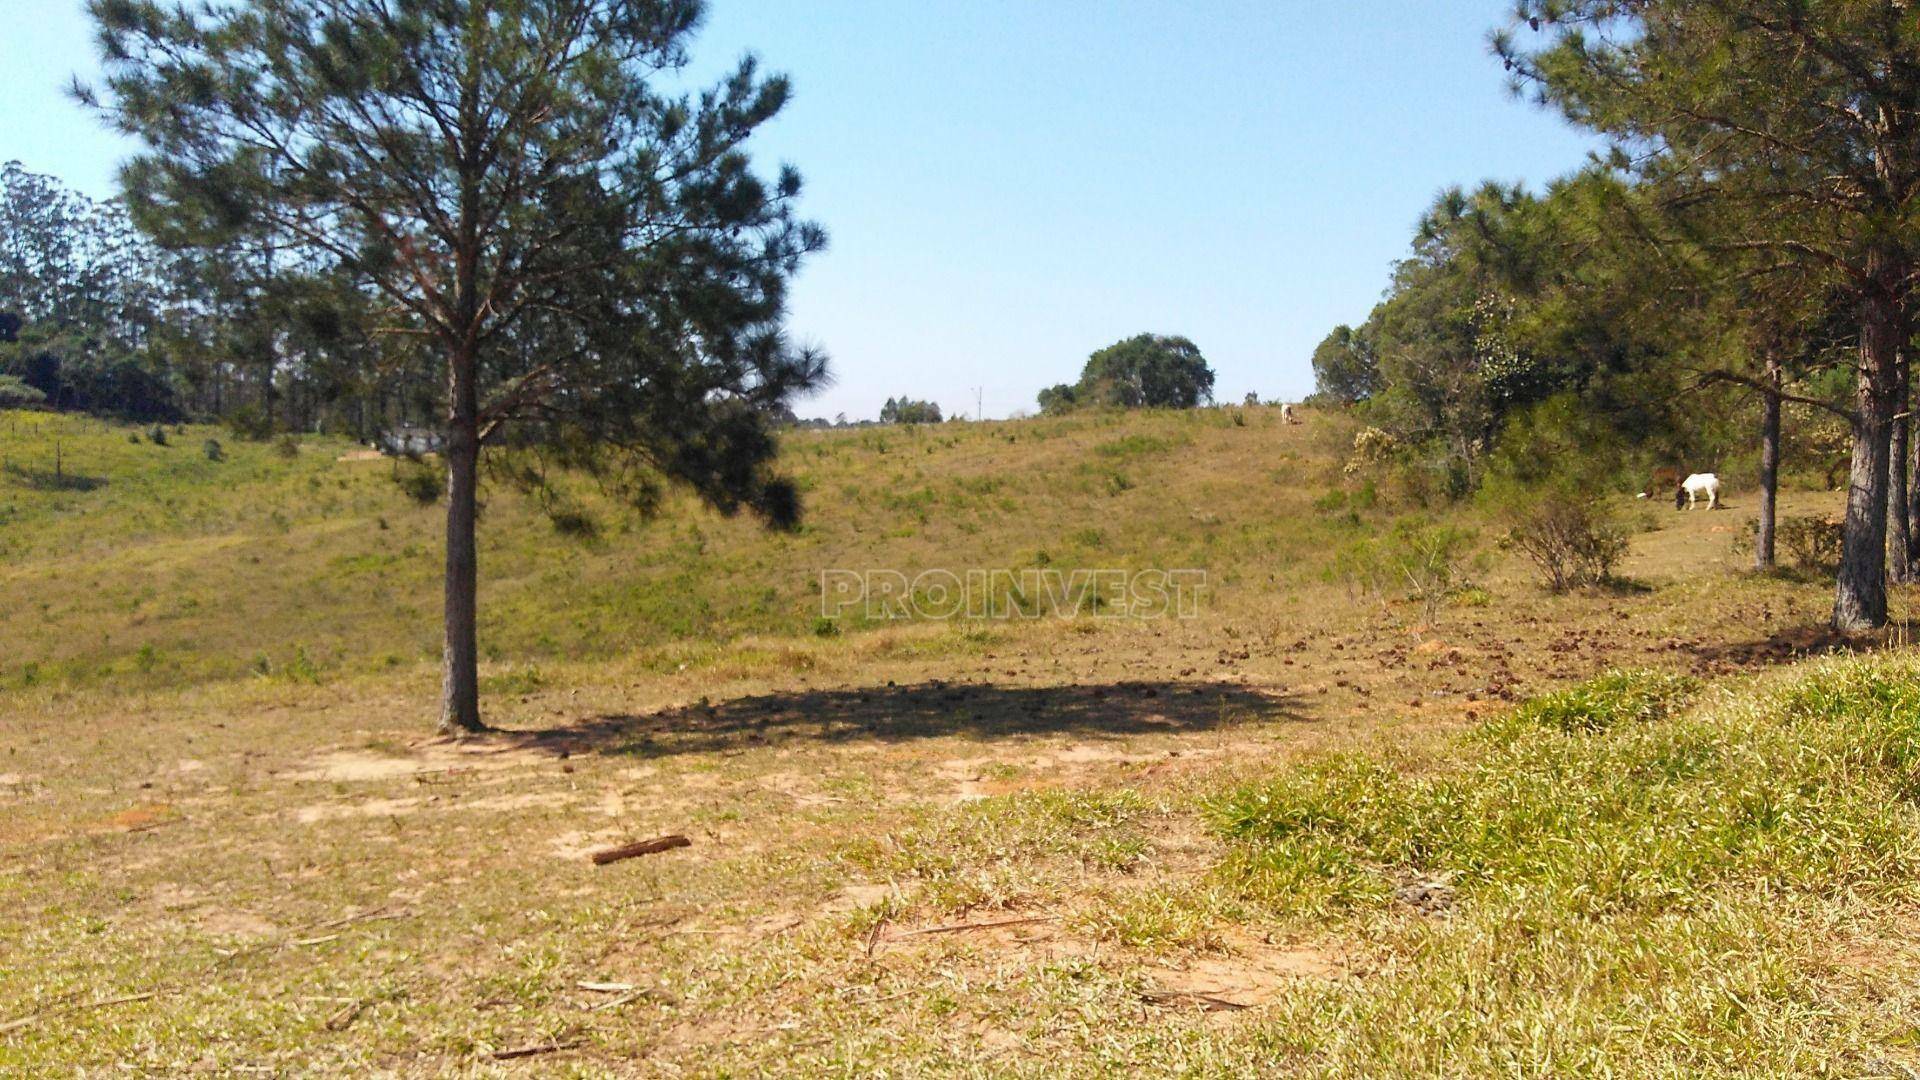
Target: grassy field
x=1305, y=832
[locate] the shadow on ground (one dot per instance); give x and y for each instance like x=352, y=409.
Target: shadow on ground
x=920, y=711
x=1802, y=642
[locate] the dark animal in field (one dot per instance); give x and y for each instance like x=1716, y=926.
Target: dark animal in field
x=1665, y=478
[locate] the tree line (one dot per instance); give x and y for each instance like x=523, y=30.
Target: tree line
x=1745, y=249
x=98, y=315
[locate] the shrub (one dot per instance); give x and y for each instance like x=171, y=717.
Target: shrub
x=16, y=394
x=288, y=447
x=1571, y=537
x=422, y=482
x=157, y=435
x=1422, y=561
x=1809, y=543
x=248, y=423
x=213, y=450
x=568, y=521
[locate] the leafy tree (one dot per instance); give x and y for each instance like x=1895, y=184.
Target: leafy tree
x=1151, y=371
x=1801, y=119
x=1345, y=370
x=905, y=410
x=591, y=265
x=1058, y=399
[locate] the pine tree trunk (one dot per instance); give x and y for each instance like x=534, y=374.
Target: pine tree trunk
x=1913, y=487
x=1763, y=540
x=1899, y=566
x=460, y=688
x=1860, y=593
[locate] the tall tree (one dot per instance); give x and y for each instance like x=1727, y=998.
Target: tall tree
x=1344, y=368
x=598, y=269
x=1151, y=371
x=1803, y=114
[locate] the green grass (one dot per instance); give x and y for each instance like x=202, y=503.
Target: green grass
x=159, y=566
x=1636, y=884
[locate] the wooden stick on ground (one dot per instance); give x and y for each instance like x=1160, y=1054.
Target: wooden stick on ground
x=643, y=847
x=959, y=928
x=530, y=1051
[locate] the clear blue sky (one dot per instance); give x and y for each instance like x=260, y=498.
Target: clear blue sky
x=1011, y=184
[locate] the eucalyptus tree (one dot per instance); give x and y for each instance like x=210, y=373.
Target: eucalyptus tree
x=1802, y=116
x=531, y=191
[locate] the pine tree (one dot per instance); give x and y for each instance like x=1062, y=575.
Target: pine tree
x=596, y=270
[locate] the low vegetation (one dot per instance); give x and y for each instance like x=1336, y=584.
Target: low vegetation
x=1477, y=826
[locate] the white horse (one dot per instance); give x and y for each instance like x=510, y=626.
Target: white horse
x=1694, y=486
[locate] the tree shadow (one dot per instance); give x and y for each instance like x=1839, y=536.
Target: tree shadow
x=921, y=711
x=1803, y=642
x=53, y=479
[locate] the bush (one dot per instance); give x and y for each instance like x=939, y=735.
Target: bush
x=1571, y=537
x=249, y=424
x=16, y=394
x=213, y=450
x=1810, y=543
x=567, y=521
x=157, y=435
x=423, y=483
x=1421, y=561
x=288, y=447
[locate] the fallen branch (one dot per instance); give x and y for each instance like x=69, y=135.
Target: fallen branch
x=643, y=847
x=1186, y=997
x=607, y=987
x=957, y=928
x=373, y=915
x=347, y=1014
x=531, y=1051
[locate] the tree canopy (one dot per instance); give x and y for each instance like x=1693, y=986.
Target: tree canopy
x=905, y=410
x=1154, y=371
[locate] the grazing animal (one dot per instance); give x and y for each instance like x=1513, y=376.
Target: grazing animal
x=1665, y=478
x=1693, y=487
x=1286, y=415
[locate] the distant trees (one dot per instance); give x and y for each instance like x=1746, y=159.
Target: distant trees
x=108, y=315
x=1152, y=371
x=905, y=410
x=80, y=295
x=589, y=269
